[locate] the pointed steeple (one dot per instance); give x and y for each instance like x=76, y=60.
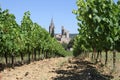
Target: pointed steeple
x=51, y=28
x=52, y=23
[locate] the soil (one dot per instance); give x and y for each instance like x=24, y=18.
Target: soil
x=58, y=69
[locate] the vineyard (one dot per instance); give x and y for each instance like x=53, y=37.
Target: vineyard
x=96, y=48
x=27, y=40
x=99, y=28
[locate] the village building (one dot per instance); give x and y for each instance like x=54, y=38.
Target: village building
x=63, y=37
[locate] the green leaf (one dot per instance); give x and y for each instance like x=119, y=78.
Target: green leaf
x=116, y=38
x=97, y=29
x=111, y=40
x=90, y=16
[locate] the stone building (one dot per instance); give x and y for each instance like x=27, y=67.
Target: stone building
x=63, y=37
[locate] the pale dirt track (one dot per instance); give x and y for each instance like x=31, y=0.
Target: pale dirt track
x=39, y=70
x=58, y=69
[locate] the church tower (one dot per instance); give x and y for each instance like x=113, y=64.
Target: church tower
x=51, y=28
x=62, y=30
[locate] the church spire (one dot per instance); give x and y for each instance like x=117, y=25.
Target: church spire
x=51, y=28
x=52, y=23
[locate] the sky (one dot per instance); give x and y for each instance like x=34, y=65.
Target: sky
x=42, y=11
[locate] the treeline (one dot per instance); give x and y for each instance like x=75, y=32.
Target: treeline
x=27, y=39
x=99, y=27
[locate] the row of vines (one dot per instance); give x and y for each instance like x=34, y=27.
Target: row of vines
x=99, y=27
x=27, y=39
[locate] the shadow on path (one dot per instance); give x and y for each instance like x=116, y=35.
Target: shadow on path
x=80, y=70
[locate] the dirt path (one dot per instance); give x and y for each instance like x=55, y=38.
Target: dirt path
x=40, y=70
x=57, y=69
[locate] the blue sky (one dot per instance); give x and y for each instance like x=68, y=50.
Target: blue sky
x=43, y=10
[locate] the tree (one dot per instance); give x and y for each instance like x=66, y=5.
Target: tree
x=98, y=24
x=26, y=26
x=9, y=35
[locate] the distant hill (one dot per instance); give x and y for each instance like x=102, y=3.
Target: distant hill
x=72, y=35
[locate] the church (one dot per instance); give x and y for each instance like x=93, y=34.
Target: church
x=63, y=37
